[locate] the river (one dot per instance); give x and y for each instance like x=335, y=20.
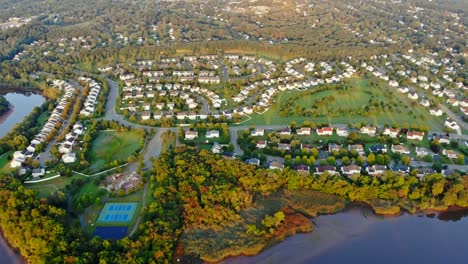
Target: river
x=358, y=236
x=22, y=105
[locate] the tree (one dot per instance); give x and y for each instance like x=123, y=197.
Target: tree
x=345, y=161
x=406, y=160
x=371, y=159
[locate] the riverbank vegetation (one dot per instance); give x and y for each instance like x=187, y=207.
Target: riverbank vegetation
x=4, y=105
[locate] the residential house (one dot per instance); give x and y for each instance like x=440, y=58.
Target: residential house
x=391, y=132
x=69, y=157
x=415, y=135
x=325, y=169
x=370, y=131
x=253, y=161
x=351, y=170
x=261, y=144
x=191, y=135
x=284, y=146
x=342, y=132
x=375, y=169
x=301, y=168
x=216, y=148
x=401, y=149
x=257, y=132
x=212, y=134
x=378, y=148
x=325, y=131
x=450, y=154
x=36, y=173
x=285, y=131
x=275, y=165
x=303, y=131
x=333, y=147
x=421, y=152
x=435, y=112
x=358, y=148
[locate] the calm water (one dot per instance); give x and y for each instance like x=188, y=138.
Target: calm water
x=357, y=236
x=23, y=105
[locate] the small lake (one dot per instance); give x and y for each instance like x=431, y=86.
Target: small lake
x=358, y=236
x=22, y=105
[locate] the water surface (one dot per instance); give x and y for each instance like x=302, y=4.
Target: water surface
x=22, y=105
x=358, y=236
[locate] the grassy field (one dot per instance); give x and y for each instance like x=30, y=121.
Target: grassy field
x=112, y=145
x=4, y=168
x=355, y=98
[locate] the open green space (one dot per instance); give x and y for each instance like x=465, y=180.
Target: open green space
x=110, y=146
x=350, y=106
x=4, y=168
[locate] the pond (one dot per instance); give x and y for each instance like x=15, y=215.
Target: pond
x=358, y=236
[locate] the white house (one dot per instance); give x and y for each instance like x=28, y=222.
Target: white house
x=191, y=135
x=261, y=144
x=450, y=154
x=391, y=132
x=257, y=132
x=69, y=157
x=435, y=112
x=350, y=170
x=370, y=131
x=421, y=152
x=212, y=134
x=415, y=135
x=375, y=170
x=400, y=149
x=36, y=173
x=342, y=132
x=303, y=131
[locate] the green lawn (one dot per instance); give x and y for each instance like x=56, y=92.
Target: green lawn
x=112, y=145
x=353, y=100
x=43, y=118
x=4, y=168
x=60, y=182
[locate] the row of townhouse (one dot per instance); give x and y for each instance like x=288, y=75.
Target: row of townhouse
x=91, y=101
x=55, y=118
x=66, y=147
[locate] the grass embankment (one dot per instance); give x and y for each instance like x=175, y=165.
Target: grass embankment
x=215, y=245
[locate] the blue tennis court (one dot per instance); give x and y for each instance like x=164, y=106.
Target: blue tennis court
x=111, y=232
x=117, y=213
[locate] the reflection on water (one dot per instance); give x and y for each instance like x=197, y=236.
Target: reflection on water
x=358, y=236
x=23, y=104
